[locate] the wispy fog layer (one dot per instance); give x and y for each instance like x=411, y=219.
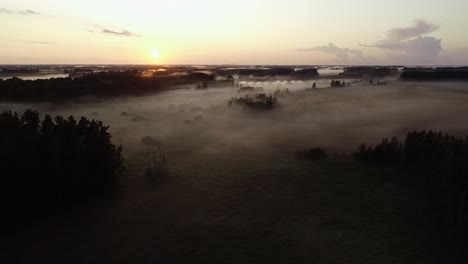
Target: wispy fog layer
x=190, y=122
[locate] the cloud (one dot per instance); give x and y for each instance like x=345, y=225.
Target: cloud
x=123, y=33
x=416, y=47
x=423, y=49
x=419, y=50
x=5, y=11
x=118, y=33
x=27, y=12
x=343, y=54
x=419, y=27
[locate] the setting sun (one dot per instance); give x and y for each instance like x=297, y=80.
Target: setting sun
x=155, y=54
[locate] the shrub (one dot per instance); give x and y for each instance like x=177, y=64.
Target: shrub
x=312, y=154
x=149, y=141
x=157, y=166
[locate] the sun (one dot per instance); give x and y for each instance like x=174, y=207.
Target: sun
x=155, y=54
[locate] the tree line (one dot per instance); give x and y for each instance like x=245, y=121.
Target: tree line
x=101, y=84
x=435, y=74
x=442, y=160
x=53, y=163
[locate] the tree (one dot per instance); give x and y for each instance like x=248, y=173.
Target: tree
x=52, y=163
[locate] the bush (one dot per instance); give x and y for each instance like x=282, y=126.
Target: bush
x=156, y=169
x=312, y=154
x=54, y=162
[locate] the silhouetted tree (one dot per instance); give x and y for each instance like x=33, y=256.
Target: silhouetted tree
x=52, y=163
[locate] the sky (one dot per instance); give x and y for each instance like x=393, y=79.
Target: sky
x=334, y=32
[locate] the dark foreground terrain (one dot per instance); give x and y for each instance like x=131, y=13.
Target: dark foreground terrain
x=216, y=211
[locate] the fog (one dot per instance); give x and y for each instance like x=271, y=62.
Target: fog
x=338, y=120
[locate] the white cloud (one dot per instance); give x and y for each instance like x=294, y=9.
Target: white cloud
x=419, y=27
x=410, y=41
x=343, y=54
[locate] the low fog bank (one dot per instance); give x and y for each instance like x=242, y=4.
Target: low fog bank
x=192, y=122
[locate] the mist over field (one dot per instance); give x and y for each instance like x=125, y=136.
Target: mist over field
x=335, y=119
